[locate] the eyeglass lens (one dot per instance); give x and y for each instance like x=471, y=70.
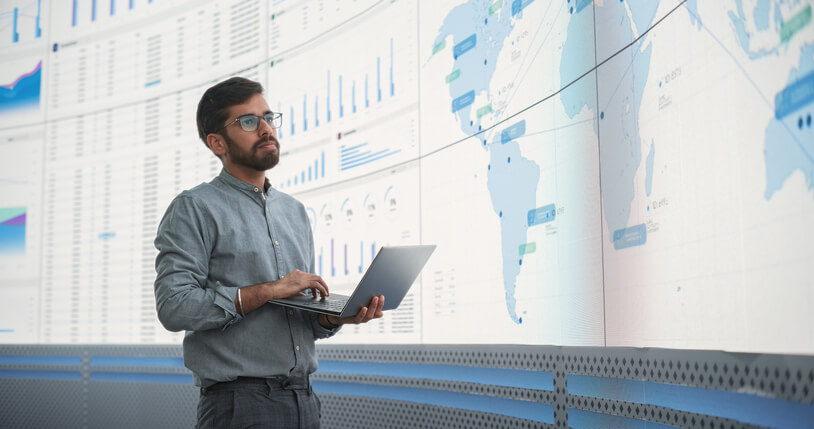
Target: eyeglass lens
x=250, y=122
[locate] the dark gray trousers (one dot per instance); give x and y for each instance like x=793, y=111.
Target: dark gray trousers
x=259, y=403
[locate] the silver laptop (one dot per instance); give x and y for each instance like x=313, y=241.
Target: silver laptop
x=391, y=274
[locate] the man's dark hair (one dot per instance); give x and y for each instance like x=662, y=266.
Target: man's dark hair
x=213, y=109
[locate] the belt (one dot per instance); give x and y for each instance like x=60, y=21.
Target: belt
x=278, y=382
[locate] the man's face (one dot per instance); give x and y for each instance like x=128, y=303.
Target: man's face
x=258, y=149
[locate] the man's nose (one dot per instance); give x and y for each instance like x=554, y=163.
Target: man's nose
x=265, y=128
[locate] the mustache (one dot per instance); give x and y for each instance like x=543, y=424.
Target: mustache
x=264, y=140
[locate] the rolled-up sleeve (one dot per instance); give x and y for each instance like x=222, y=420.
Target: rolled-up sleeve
x=186, y=299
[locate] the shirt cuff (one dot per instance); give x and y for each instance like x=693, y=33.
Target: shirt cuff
x=323, y=332
x=234, y=320
x=223, y=300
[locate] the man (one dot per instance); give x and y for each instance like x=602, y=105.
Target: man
x=226, y=248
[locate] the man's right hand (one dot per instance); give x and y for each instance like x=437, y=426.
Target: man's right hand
x=292, y=284
x=295, y=283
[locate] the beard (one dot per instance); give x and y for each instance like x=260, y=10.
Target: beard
x=251, y=158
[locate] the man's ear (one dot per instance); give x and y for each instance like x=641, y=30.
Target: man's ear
x=216, y=144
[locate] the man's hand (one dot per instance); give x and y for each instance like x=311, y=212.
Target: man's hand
x=292, y=284
x=296, y=282
x=365, y=314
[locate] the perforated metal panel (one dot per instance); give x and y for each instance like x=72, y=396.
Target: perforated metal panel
x=426, y=386
x=28, y=403
x=360, y=413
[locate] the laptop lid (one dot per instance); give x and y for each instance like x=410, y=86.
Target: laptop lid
x=392, y=273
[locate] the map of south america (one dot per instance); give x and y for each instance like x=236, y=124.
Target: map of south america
x=479, y=32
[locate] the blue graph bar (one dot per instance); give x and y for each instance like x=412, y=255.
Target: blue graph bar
x=320, y=261
x=280, y=130
x=353, y=96
x=93, y=11
x=346, y=150
x=73, y=18
x=323, y=165
x=112, y=7
x=328, y=97
x=372, y=251
x=361, y=255
x=292, y=119
x=131, y=4
x=15, y=36
x=359, y=161
x=352, y=153
x=38, y=29
x=392, y=87
x=379, y=78
x=309, y=173
x=367, y=99
x=341, y=107
x=333, y=267
x=355, y=158
x=304, y=113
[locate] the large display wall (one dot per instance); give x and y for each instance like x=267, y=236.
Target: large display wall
x=606, y=173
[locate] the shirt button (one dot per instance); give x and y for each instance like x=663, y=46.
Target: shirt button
x=256, y=189
x=276, y=243
x=297, y=348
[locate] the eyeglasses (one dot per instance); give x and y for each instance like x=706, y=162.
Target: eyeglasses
x=249, y=123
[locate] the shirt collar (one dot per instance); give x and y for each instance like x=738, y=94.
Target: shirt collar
x=239, y=184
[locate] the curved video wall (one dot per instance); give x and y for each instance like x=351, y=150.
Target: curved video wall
x=598, y=173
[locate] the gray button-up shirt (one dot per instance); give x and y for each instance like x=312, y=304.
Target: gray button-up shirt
x=214, y=239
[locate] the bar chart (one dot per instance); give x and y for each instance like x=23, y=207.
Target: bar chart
x=350, y=112
x=320, y=104
x=21, y=22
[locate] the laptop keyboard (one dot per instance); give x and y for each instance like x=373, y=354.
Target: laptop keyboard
x=330, y=303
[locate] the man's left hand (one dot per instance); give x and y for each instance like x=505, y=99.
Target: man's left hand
x=365, y=314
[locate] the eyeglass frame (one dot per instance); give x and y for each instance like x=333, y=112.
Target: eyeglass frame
x=275, y=116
